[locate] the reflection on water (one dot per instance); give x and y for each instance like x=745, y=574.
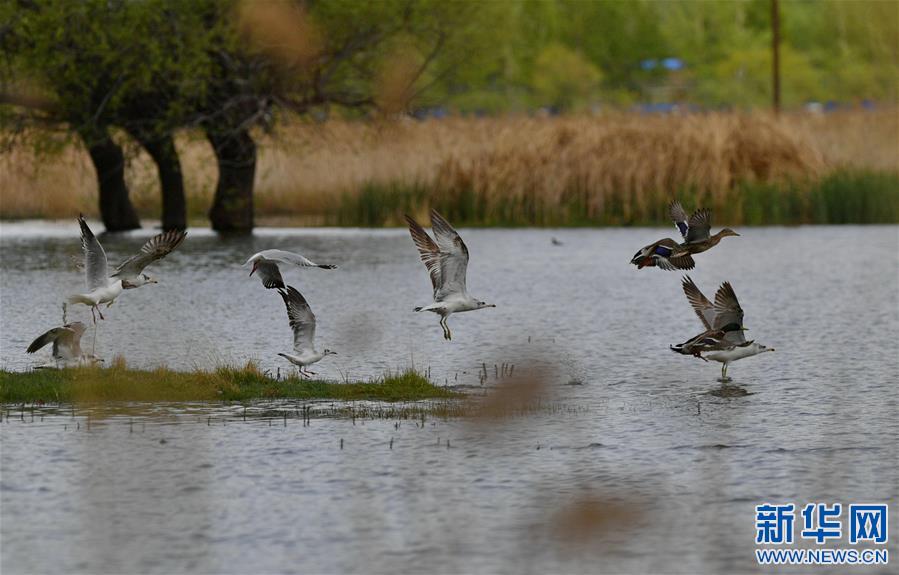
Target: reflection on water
x=638, y=459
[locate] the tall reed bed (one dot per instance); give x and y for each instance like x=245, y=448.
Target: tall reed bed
x=612, y=169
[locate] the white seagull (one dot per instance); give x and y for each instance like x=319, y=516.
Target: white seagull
x=66, y=342
x=447, y=261
x=103, y=288
x=266, y=263
x=302, y=321
x=714, y=316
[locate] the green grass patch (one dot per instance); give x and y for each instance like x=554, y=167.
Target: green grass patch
x=842, y=197
x=228, y=383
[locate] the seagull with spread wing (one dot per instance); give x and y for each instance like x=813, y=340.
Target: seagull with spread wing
x=267, y=264
x=446, y=258
x=302, y=322
x=723, y=341
x=103, y=288
x=669, y=255
x=66, y=340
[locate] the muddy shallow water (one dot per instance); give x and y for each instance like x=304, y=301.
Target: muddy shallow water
x=634, y=463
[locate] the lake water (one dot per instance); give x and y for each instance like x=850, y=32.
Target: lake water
x=632, y=464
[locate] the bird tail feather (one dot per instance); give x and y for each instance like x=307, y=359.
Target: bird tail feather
x=79, y=298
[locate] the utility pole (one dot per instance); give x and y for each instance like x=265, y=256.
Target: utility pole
x=775, y=55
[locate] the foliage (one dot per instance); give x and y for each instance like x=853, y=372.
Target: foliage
x=563, y=78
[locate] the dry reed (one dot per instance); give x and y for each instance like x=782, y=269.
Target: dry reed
x=614, y=168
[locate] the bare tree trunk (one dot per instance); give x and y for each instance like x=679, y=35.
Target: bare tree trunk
x=171, y=179
x=116, y=210
x=232, y=208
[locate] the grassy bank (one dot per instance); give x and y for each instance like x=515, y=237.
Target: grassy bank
x=228, y=384
x=612, y=169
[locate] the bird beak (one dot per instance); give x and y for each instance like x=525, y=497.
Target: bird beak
x=492, y=305
x=253, y=270
x=770, y=349
x=744, y=329
x=154, y=281
x=736, y=234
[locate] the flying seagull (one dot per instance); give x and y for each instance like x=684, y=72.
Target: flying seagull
x=103, y=288
x=723, y=341
x=266, y=263
x=446, y=258
x=669, y=255
x=66, y=342
x=302, y=322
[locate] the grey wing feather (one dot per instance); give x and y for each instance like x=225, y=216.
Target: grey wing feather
x=453, y=257
x=64, y=339
x=727, y=311
x=269, y=274
x=301, y=318
x=429, y=253
x=684, y=262
x=48, y=336
x=700, y=224
x=154, y=249
x=704, y=309
x=94, y=257
x=292, y=258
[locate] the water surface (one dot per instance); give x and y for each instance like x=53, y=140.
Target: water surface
x=628, y=424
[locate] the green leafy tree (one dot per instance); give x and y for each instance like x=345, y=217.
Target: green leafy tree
x=564, y=79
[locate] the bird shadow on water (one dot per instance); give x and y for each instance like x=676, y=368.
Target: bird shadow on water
x=727, y=389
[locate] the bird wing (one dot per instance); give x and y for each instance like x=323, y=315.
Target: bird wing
x=666, y=259
x=679, y=216
x=94, y=257
x=290, y=258
x=65, y=340
x=156, y=248
x=453, y=257
x=269, y=274
x=301, y=318
x=48, y=336
x=701, y=305
x=710, y=340
x=728, y=310
x=429, y=253
x=699, y=226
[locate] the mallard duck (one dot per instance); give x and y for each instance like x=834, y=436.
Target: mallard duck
x=695, y=231
x=724, y=340
x=669, y=255
x=662, y=254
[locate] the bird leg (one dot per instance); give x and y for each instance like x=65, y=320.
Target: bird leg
x=64, y=309
x=100, y=313
x=447, y=334
x=310, y=372
x=724, y=379
x=94, y=314
x=109, y=305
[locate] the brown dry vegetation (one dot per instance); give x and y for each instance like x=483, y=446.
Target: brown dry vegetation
x=507, y=170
